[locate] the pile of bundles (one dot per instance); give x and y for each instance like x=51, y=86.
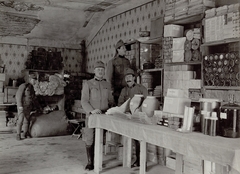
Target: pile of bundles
x=178, y=48
x=180, y=9
x=54, y=86
x=222, y=23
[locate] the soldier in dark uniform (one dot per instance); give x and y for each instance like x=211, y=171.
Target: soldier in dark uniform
x=115, y=69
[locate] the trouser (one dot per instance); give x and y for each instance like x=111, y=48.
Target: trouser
x=88, y=134
x=116, y=94
x=23, y=121
x=137, y=150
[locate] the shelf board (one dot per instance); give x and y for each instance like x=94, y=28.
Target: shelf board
x=225, y=41
x=184, y=63
x=38, y=70
x=187, y=19
x=222, y=87
x=153, y=70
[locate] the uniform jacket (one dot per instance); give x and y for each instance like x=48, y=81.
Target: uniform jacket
x=129, y=92
x=96, y=95
x=115, y=71
x=25, y=96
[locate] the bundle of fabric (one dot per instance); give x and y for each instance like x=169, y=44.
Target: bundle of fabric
x=55, y=86
x=52, y=124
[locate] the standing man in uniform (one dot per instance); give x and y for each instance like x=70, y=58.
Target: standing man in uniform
x=115, y=69
x=127, y=92
x=96, y=99
x=26, y=100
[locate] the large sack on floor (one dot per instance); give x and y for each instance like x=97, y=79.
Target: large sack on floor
x=52, y=124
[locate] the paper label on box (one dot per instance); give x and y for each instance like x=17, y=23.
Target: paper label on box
x=223, y=115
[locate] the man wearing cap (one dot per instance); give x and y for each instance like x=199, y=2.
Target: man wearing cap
x=132, y=87
x=26, y=101
x=96, y=98
x=115, y=69
x=127, y=92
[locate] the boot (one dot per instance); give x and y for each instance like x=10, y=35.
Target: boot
x=137, y=151
x=90, y=156
x=18, y=137
x=25, y=131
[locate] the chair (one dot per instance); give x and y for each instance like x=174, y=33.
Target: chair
x=77, y=124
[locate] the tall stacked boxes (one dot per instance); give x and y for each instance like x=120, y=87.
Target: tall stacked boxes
x=180, y=77
x=179, y=9
x=169, y=10
x=222, y=23
x=173, y=43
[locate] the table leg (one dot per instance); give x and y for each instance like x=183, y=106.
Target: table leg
x=98, y=153
x=143, y=156
x=179, y=163
x=127, y=151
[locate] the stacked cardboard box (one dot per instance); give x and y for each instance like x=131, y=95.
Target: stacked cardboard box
x=173, y=43
x=180, y=9
x=222, y=23
x=180, y=77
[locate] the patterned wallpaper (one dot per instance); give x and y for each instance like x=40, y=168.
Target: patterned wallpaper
x=15, y=56
x=123, y=26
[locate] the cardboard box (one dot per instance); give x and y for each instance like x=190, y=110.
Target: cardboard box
x=178, y=43
x=178, y=56
x=187, y=75
x=2, y=77
x=175, y=105
x=173, y=30
x=175, y=93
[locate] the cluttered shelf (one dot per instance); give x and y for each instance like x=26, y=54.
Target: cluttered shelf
x=186, y=19
x=184, y=63
x=43, y=71
x=225, y=41
x=153, y=70
x=222, y=87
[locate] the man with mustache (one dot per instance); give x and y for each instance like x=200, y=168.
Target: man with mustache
x=96, y=98
x=127, y=92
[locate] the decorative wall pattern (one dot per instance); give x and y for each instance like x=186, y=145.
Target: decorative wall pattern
x=15, y=56
x=123, y=26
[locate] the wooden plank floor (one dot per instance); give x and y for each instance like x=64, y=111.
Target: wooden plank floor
x=56, y=155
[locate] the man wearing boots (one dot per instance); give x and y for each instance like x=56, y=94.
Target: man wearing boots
x=95, y=99
x=26, y=99
x=127, y=92
x=115, y=69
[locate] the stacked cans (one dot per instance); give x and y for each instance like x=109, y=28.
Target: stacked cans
x=221, y=69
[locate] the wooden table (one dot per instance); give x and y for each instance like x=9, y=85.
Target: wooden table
x=222, y=151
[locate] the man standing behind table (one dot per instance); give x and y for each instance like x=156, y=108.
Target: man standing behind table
x=127, y=92
x=96, y=98
x=115, y=69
